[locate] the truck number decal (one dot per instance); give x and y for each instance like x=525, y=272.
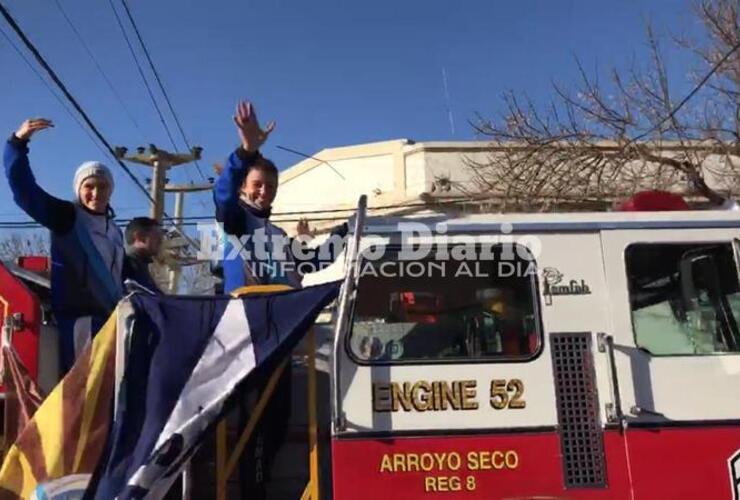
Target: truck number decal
x=441, y=395
x=500, y=398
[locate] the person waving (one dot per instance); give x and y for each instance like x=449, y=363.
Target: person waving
x=86, y=245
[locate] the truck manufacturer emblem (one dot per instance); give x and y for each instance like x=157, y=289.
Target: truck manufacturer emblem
x=555, y=285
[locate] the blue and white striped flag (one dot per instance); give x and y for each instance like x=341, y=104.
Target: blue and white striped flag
x=186, y=357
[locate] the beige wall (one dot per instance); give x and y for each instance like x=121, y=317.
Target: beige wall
x=403, y=172
x=322, y=187
x=387, y=172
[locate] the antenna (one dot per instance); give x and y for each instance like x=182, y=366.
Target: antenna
x=447, y=101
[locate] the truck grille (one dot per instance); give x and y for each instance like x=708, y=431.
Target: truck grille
x=581, y=436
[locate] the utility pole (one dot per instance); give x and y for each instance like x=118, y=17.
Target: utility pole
x=161, y=161
x=180, y=190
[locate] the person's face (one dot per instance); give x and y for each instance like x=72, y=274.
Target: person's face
x=150, y=242
x=260, y=188
x=95, y=194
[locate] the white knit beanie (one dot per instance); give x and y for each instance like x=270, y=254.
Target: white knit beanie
x=91, y=169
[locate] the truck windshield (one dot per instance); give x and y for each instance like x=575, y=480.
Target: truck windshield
x=442, y=308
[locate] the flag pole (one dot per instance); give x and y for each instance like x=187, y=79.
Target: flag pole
x=187, y=481
x=313, y=457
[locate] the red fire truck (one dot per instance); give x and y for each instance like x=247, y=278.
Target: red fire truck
x=591, y=355
x=24, y=310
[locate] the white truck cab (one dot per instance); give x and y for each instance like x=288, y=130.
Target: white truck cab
x=582, y=355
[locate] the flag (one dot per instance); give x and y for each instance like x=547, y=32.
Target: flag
x=169, y=364
x=60, y=447
x=22, y=395
x=187, y=356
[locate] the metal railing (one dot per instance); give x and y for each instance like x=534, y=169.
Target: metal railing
x=346, y=301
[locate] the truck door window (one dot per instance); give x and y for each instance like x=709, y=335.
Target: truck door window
x=684, y=298
x=429, y=309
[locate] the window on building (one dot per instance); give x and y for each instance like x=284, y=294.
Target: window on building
x=684, y=298
x=437, y=309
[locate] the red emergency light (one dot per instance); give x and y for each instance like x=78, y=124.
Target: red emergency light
x=653, y=201
x=35, y=263
x=421, y=307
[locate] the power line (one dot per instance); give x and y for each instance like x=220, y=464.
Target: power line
x=48, y=87
x=688, y=96
x=52, y=74
x=141, y=73
x=312, y=158
x=340, y=210
x=193, y=220
x=123, y=222
x=161, y=87
x=99, y=67
x=159, y=82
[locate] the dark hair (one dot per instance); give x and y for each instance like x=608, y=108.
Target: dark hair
x=139, y=225
x=264, y=165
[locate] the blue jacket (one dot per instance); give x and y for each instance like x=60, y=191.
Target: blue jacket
x=86, y=248
x=268, y=260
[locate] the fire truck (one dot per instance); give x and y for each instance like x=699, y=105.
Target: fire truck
x=25, y=315
x=582, y=355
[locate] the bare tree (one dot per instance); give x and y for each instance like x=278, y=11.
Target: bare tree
x=602, y=141
x=16, y=245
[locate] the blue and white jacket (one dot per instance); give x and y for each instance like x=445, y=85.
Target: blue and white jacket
x=86, y=248
x=273, y=262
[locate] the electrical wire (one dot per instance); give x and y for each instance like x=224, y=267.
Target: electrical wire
x=99, y=67
x=52, y=74
x=194, y=220
x=688, y=96
x=124, y=222
x=353, y=209
x=141, y=74
x=164, y=92
x=48, y=87
x=289, y=150
x=159, y=82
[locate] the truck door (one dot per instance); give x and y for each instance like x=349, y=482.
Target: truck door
x=447, y=378
x=675, y=306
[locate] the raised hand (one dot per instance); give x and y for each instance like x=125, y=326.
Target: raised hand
x=304, y=229
x=250, y=133
x=31, y=126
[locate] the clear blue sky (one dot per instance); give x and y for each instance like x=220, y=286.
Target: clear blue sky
x=330, y=73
